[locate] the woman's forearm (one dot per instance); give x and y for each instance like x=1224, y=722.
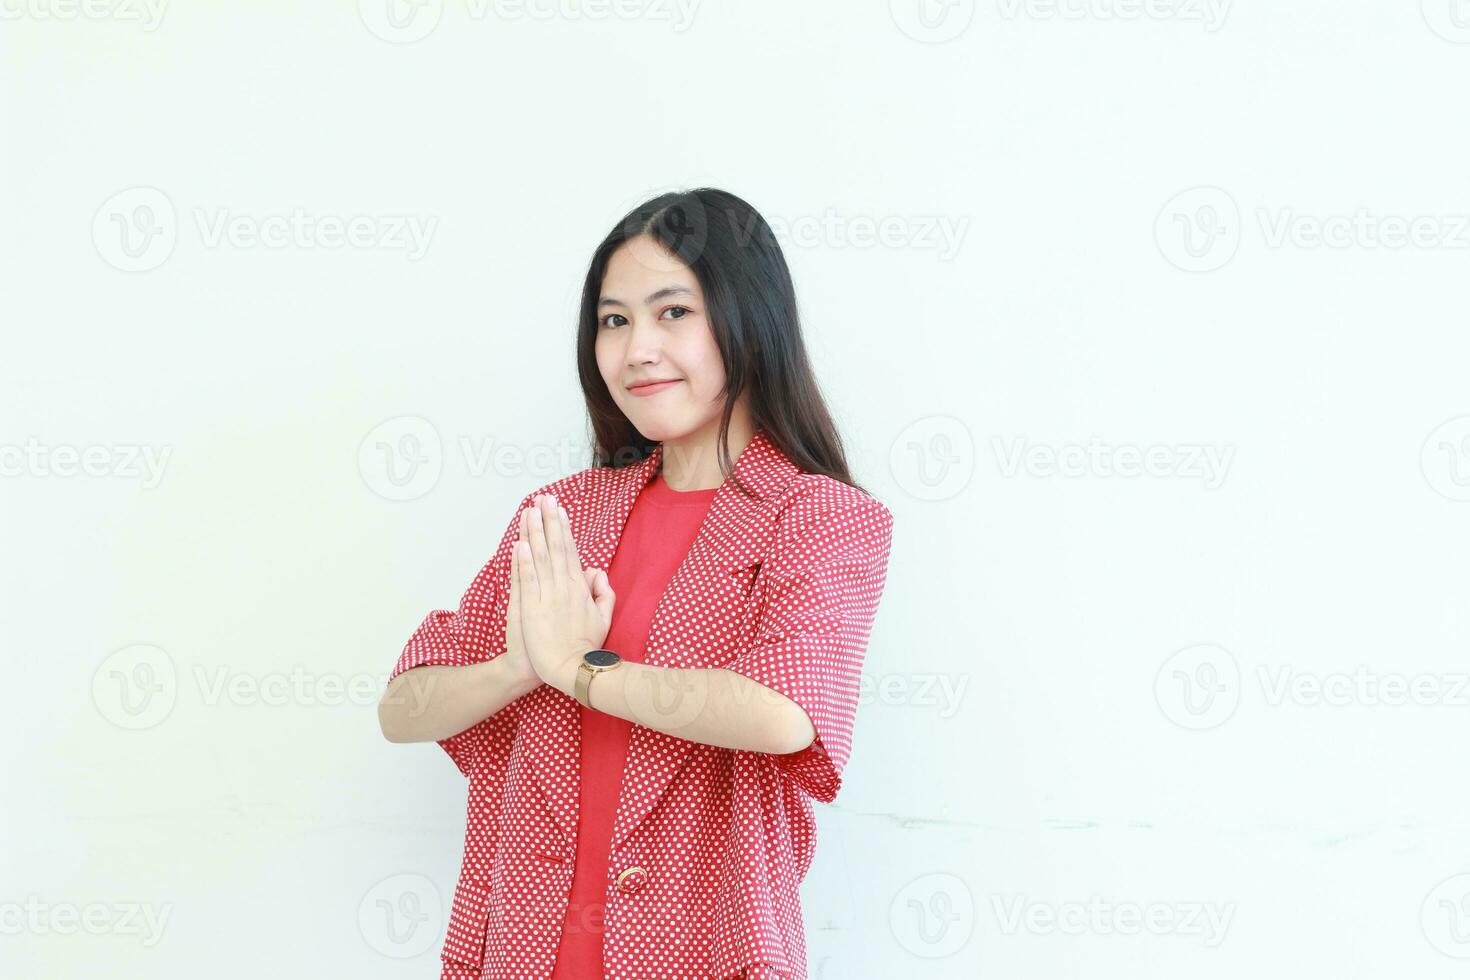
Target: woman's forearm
x=433, y=701
x=711, y=706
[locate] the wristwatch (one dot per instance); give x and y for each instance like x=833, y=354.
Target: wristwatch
x=593, y=662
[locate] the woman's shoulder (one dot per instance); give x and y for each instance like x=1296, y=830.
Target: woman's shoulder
x=812, y=494
x=822, y=515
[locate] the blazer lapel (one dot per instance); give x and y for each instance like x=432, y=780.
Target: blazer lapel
x=735, y=534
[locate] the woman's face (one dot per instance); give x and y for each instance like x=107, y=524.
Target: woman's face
x=652, y=325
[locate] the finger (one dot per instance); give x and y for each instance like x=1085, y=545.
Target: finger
x=536, y=532
x=525, y=559
x=556, y=545
x=574, y=560
x=515, y=566
x=513, y=604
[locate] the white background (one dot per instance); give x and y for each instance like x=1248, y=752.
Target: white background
x=1076, y=700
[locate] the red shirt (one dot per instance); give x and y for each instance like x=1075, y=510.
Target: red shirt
x=654, y=542
x=709, y=845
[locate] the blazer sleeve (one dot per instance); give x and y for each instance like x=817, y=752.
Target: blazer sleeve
x=475, y=633
x=818, y=593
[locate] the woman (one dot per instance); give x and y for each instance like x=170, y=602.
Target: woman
x=658, y=669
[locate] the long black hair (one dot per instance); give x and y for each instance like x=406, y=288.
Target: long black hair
x=751, y=304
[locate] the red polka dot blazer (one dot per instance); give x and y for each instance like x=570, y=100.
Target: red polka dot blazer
x=709, y=844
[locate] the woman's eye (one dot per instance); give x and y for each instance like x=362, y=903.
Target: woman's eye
x=604, y=320
x=673, y=308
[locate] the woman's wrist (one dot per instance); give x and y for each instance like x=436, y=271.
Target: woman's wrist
x=517, y=675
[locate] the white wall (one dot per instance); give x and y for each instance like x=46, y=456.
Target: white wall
x=1038, y=739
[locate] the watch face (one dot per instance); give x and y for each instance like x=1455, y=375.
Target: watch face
x=600, y=658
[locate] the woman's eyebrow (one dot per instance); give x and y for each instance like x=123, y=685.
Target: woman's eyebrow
x=651, y=298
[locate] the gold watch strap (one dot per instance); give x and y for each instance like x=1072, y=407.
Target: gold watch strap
x=581, y=689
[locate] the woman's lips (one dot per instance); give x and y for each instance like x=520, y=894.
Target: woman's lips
x=653, y=389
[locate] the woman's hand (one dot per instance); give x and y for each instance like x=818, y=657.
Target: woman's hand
x=562, y=610
x=515, y=642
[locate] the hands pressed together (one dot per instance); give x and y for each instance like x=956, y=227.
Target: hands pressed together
x=558, y=610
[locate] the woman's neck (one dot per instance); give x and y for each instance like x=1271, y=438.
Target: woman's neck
x=692, y=462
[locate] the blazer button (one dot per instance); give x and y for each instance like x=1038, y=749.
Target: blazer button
x=631, y=879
